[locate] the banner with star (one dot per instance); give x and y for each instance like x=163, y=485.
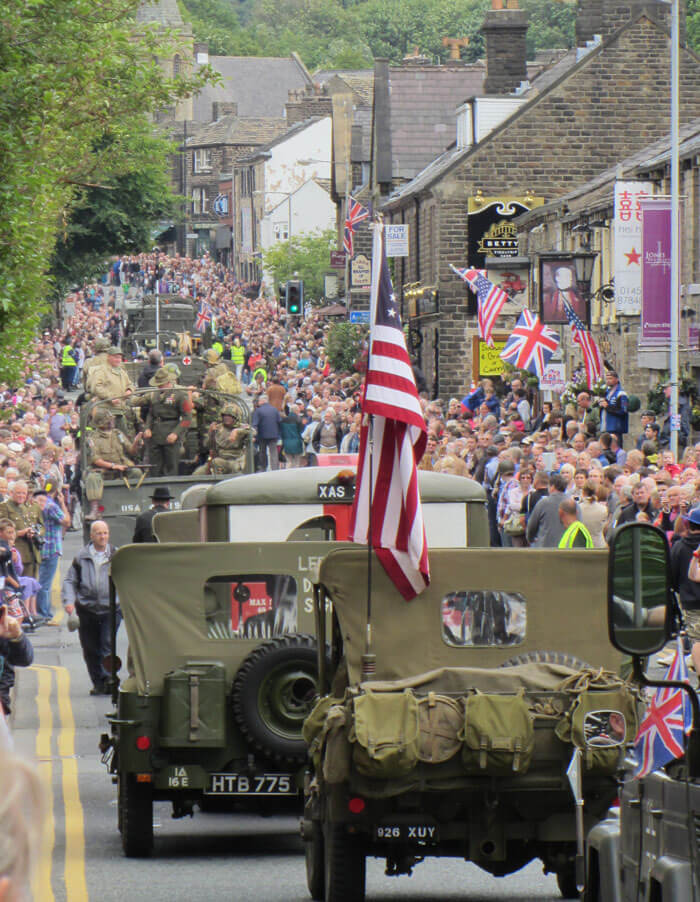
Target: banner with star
x=628, y=245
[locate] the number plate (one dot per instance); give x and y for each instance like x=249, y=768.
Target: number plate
x=420, y=833
x=253, y=785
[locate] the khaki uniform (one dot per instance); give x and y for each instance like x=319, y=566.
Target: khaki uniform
x=108, y=445
x=212, y=375
x=227, y=449
x=24, y=515
x=107, y=383
x=168, y=411
x=92, y=363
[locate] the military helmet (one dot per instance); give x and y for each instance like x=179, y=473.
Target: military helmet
x=230, y=411
x=174, y=369
x=101, y=344
x=211, y=356
x=101, y=417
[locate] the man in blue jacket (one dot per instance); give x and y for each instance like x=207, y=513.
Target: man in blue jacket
x=615, y=406
x=266, y=423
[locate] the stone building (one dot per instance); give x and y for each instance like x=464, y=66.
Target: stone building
x=594, y=107
x=582, y=220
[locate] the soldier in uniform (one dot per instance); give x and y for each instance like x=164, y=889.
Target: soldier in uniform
x=227, y=445
x=109, y=453
x=29, y=525
x=167, y=421
x=111, y=383
x=101, y=346
x=218, y=377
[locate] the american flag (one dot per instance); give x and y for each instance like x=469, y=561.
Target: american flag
x=203, y=317
x=399, y=437
x=490, y=299
x=661, y=734
x=531, y=344
x=592, y=358
x=355, y=215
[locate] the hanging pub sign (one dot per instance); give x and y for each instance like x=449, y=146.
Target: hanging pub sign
x=491, y=228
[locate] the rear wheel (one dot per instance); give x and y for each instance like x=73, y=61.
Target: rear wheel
x=313, y=856
x=135, y=817
x=345, y=866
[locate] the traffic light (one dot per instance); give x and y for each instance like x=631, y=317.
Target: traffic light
x=294, y=301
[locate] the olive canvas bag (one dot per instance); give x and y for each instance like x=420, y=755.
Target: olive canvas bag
x=384, y=733
x=498, y=735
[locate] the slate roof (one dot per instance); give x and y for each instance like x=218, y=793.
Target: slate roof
x=233, y=129
x=360, y=80
x=259, y=85
x=281, y=136
x=423, y=100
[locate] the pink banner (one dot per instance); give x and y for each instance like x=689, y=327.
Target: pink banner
x=656, y=271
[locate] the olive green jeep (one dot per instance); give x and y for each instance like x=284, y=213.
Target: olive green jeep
x=222, y=673
x=483, y=703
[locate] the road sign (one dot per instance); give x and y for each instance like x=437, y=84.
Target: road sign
x=396, y=240
x=338, y=259
x=359, y=316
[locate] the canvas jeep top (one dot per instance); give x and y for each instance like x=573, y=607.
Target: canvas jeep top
x=484, y=686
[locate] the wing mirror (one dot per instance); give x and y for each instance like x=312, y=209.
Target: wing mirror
x=639, y=589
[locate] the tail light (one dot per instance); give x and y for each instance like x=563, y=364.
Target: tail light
x=356, y=805
x=143, y=743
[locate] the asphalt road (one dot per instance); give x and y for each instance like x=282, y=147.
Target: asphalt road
x=210, y=858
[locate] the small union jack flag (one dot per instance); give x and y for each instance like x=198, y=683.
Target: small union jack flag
x=531, y=344
x=592, y=358
x=355, y=215
x=662, y=732
x=490, y=299
x=203, y=317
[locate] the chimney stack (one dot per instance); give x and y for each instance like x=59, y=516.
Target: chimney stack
x=603, y=17
x=505, y=31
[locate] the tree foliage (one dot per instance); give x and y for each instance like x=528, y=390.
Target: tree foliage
x=349, y=33
x=344, y=345
x=308, y=254
x=76, y=85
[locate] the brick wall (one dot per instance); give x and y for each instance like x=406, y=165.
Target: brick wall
x=505, y=33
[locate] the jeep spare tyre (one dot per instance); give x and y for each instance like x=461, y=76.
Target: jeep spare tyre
x=273, y=693
x=549, y=657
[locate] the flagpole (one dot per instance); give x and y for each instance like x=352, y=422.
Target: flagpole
x=369, y=660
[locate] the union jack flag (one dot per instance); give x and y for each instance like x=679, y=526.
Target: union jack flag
x=592, y=358
x=531, y=344
x=356, y=214
x=490, y=299
x=203, y=317
x=388, y=475
x=662, y=732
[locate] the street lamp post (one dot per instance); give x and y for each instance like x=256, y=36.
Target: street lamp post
x=157, y=293
x=675, y=221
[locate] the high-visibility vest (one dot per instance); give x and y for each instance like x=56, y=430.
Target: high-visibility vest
x=238, y=355
x=218, y=347
x=576, y=528
x=66, y=357
x=262, y=370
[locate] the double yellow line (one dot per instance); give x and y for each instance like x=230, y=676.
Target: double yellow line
x=74, y=864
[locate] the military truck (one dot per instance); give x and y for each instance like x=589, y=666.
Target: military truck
x=462, y=729
x=648, y=850
x=123, y=501
x=176, y=315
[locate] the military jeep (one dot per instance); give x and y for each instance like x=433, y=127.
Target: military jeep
x=455, y=734
x=222, y=673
